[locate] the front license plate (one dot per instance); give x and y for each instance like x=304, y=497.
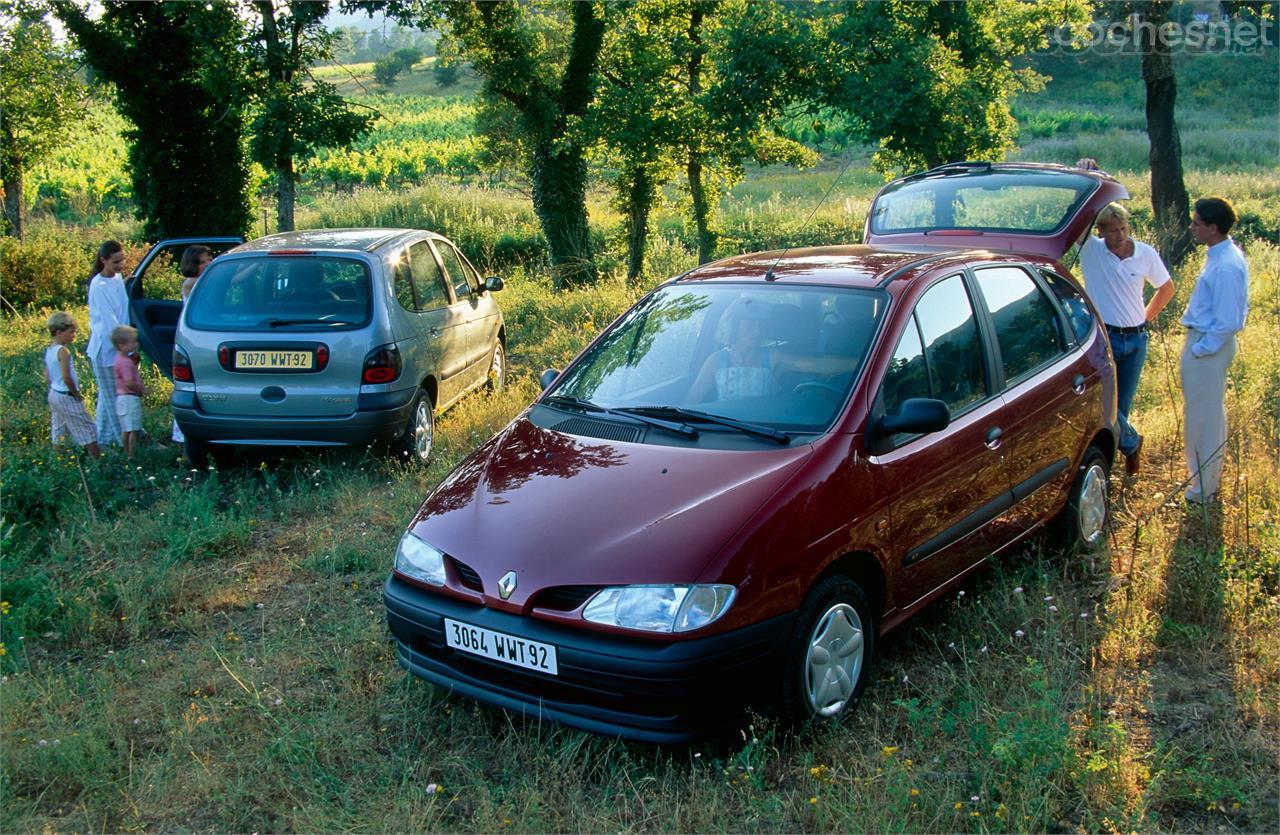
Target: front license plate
x=518, y=652
x=274, y=360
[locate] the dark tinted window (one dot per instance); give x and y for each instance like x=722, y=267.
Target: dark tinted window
x=951, y=344
x=1027, y=327
x=427, y=278
x=907, y=376
x=453, y=266
x=403, y=286
x=281, y=293
x=1078, y=313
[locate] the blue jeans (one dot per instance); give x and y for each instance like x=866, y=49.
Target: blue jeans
x=1130, y=352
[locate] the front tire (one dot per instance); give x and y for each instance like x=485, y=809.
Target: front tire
x=498, y=368
x=830, y=651
x=414, y=444
x=1083, y=523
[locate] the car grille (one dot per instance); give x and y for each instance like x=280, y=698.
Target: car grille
x=564, y=598
x=469, y=577
x=603, y=429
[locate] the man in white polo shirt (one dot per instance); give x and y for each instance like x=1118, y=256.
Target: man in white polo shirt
x=1116, y=269
x=1215, y=313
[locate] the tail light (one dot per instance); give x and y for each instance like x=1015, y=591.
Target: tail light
x=381, y=365
x=182, y=366
x=322, y=357
x=224, y=357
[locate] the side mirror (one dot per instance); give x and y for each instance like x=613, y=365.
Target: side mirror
x=493, y=284
x=917, y=415
x=548, y=377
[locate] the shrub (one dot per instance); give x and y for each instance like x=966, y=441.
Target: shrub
x=50, y=267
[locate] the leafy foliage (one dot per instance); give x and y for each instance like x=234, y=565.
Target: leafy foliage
x=40, y=104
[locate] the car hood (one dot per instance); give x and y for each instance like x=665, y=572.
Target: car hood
x=563, y=510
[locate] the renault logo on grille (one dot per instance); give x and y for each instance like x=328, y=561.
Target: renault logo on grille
x=507, y=585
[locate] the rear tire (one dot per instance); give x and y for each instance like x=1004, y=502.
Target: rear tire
x=196, y=452
x=1082, y=525
x=415, y=443
x=829, y=654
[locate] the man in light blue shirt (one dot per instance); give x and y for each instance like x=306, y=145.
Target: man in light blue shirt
x=1215, y=314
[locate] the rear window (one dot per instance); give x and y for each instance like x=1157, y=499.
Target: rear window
x=1008, y=201
x=282, y=294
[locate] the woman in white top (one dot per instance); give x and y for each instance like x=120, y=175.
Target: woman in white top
x=108, y=307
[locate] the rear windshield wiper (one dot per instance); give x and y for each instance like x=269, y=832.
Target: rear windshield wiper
x=682, y=429
x=280, y=323
x=733, y=423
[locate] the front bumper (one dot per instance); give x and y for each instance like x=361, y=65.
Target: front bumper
x=378, y=417
x=648, y=691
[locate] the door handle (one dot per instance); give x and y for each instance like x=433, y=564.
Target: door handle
x=993, y=437
x=1077, y=384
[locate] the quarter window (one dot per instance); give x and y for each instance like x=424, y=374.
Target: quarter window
x=403, y=278
x=1028, y=329
x=453, y=266
x=1078, y=313
x=951, y=344
x=427, y=279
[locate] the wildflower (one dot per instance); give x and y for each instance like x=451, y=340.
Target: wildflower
x=959, y=805
x=43, y=743
x=151, y=478
x=432, y=788
x=984, y=649
x=4, y=607
x=1084, y=615
x=951, y=645
x=257, y=605
x=1019, y=634
x=279, y=701
x=1053, y=608
x=1048, y=598
x=973, y=798
x=904, y=678
x=813, y=801
x=137, y=721
x=1018, y=590
x=888, y=750
x=915, y=792
x=960, y=593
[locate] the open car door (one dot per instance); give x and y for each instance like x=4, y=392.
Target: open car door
x=1025, y=207
x=154, y=307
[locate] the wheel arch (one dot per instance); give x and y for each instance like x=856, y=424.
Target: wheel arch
x=864, y=569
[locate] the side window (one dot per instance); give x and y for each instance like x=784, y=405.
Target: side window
x=951, y=344
x=403, y=282
x=453, y=266
x=907, y=376
x=1078, y=313
x=1028, y=329
x=427, y=279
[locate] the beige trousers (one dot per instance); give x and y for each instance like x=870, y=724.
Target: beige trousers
x=1204, y=414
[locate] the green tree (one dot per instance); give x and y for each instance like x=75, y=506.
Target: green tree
x=445, y=68
x=539, y=60
x=40, y=101
x=295, y=113
x=176, y=71
x=932, y=81
x=696, y=86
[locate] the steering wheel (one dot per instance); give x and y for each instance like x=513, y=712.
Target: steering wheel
x=818, y=385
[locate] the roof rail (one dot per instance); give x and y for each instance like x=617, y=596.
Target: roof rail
x=952, y=168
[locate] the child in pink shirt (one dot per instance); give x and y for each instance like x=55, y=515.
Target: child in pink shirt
x=129, y=387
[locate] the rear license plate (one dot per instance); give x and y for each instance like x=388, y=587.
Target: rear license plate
x=518, y=652
x=274, y=360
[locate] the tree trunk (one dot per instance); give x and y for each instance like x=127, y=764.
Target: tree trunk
x=702, y=208
x=1169, y=200
x=13, y=202
x=559, y=175
x=286, y=188
x=640, y=193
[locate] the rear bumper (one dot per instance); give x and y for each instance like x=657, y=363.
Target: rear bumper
x=378, y=417
x=647, y=691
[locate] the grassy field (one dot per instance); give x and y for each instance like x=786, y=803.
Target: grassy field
x=206, y=649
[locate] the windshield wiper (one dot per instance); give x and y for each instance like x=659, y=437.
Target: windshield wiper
x=279, y=323
x=693, y=414
x=682, y=429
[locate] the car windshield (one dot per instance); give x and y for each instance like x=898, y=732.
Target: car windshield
x=281, y=293
x=1039, y=202
x=780, y=357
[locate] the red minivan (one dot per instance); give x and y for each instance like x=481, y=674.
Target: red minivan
x=769, y=462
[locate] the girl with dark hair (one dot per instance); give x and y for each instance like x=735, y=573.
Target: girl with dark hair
x=108, y=308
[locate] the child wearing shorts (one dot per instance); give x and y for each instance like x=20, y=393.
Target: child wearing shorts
x=129, y=387
x=67, y=415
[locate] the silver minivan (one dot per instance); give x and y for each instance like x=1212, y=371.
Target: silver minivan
x=332, y=337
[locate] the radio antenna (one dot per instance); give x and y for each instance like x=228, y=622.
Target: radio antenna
x=768, y=276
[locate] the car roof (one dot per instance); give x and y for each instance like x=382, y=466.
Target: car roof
x=363, y=239
x=852, y=266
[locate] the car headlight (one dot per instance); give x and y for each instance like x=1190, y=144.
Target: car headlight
x=417, y=559
x=659, y=608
